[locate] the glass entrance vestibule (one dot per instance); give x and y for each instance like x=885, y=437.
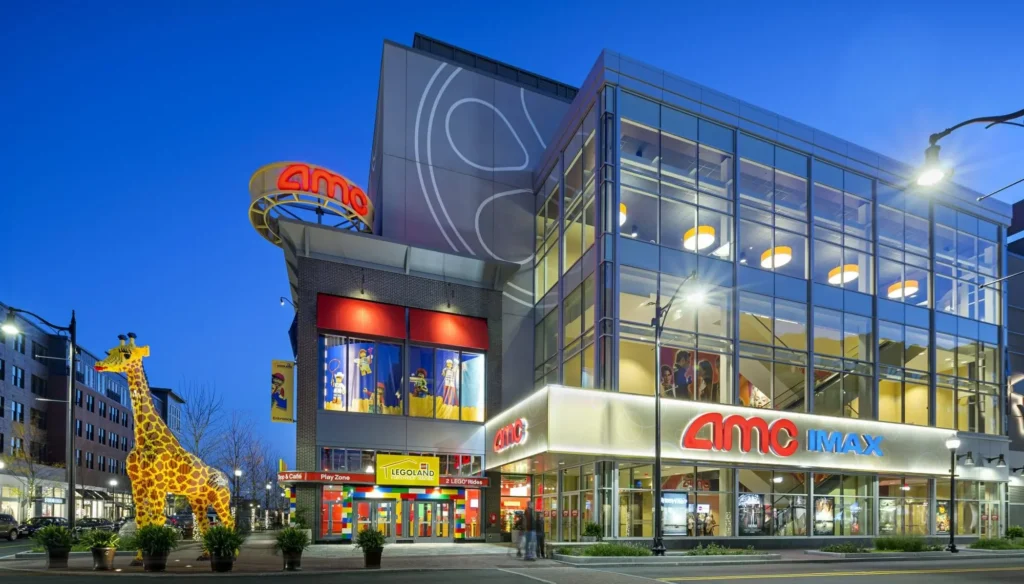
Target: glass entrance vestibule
x=733, y=501
x=400, y=514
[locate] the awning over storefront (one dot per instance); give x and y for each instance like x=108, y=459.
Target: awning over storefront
x=559, y=425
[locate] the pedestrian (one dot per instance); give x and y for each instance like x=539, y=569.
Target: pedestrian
x=538, y=528
x=528, y=522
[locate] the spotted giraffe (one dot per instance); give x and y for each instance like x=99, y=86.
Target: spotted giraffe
x=158, y=464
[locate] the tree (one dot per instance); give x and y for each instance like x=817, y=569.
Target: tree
x=202, y=423
x=234, y=444
x=27, y=460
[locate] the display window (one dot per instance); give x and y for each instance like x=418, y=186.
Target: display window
x=515, y=494
x=446, y=384
x=361, y=376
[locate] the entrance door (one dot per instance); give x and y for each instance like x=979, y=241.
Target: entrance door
x=379, y=515
x=571, y=524
x=432, y=521
x=333, y=516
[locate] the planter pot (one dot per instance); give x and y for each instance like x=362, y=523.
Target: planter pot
x=371, y=558
x=154, y=562
x=222, y=563
x=292, y=561
x=57, y=558
x=103, y=558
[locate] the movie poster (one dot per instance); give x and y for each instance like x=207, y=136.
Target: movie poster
x=673, y=506
x=688, y=374
x=824, y=515
x=751, y=518
x=887, y=520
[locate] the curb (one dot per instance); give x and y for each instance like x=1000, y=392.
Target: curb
x=233, y=574
x=964, y=556
x=42, y=555
x=670, y=560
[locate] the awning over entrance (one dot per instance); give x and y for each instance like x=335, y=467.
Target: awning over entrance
x=560, y=425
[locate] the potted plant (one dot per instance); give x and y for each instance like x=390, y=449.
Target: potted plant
x=57, y=540
x=291, y=542
x=591, y=532
x=103, y=545
x=371, y=542
x=222, y=544
x=156, y=542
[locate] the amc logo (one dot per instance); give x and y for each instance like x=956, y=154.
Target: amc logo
x=779, y=437
x=320, y=181
x=511, y=435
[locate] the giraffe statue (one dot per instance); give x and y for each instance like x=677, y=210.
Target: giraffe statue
x=158, y=464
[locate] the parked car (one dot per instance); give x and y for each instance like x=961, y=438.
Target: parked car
x=29, y=527
x=91, y=523
x=8, y=527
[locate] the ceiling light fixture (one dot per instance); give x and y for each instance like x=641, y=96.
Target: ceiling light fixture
x=843, y=274
x=698, y=237
x=776, y=257
x=622, y=214
x=904, y=289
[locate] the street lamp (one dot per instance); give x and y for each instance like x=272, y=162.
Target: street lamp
x=10, y=327
x=695, y=298
x=933, y=172
x=953, y=444
x=238, y=475
x=1001, y=462
x=283, y=300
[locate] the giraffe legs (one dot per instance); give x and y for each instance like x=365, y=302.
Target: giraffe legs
x=149, y=508
x=222, y=505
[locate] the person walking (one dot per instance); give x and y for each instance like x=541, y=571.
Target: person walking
x=538, y=527
x=531, y=542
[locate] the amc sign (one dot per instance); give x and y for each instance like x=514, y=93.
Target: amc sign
x=780, y=437
x=511, y=435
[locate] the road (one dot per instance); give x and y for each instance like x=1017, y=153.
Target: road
x=930, y=572
x=9, y=548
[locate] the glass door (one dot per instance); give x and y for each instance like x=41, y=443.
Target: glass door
x=571, y=517
x=384, y=519
x=332, y=520
x=432, y=521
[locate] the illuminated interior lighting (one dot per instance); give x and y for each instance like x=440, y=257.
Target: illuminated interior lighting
x=903, y=289
x=633, y=233
x=723, y=251
x=698, y=237
x=843, y=274
x=776, y=257
x=622, y=214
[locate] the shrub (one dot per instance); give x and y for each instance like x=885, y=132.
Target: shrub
x=291, y=540
x=1014, y=531
x=128, y=544
x=299, y=518
x=100, y=539
x=156, y=539
x=592, y=529
x=370, y=540
x=222, y=541
x=54, y=537
x=901, y=543
x=986, y=543
x=713, y=549
x=844, y=548
x=569, y=551
x=614, y=549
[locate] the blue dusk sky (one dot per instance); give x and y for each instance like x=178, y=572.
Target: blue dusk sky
x=131, y=129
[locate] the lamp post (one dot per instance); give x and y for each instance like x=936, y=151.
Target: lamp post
x=10, y=327
x=238, y=475
x=660, y=313
x=933, y=172
x=266, y=507
x=953, y=444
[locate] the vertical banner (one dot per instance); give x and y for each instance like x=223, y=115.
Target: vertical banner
x=282, y=391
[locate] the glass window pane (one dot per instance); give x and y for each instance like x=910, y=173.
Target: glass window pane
x=790, y=325
x=421, y=382
x=473, y=387
x=714, y=135
x=945, y=354
x=678, y=168
x=636, y=295
x=917, y=403
x=890, y=280
x=916, y=356
x=681, y=316
x=828, y=207
x=967, y=250
x=791, y=195
x=639, y=154
x=857, y=337
x=714, y=172
x=641, y=215
x=788, y=387
x=828, y=393
x=890, y=344
x=755, y=243
x=588, y=303
x=756, y=318
x=890, y=400
x=714, y=316
x=636, y=367
x=916, y=230
x=915, y=288
x=756, y=184
x=361, y=388
x=678, y=123
x=855, y=273
x=714, y=235
x=573, y=316
x=857, y=216
x=679, y=222
x=945, y=244
x=890, y=226
x=446, y=382
x=334, y=367
x=795, y=247
x=987, y=257
x=637, y=108
x=828, y=261
x=828, y=330
x=390, y=372
x=857, y=397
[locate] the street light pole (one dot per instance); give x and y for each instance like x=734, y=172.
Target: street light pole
x=10, y=326
x=658, y=545
x=932, y=173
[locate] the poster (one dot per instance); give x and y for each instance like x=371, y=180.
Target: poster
x=673, y=508
x=689, y=374
x=473, y=387
x=887, y=520
x=941, y=516
x=751, y=518
x=282, y=391
x=824, y=515
x=448, y=372
x=334, y=373
x=361, y=388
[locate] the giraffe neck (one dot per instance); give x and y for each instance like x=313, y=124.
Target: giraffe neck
x=142, y=402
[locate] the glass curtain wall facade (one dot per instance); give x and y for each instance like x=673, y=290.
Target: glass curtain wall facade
x=823, y=291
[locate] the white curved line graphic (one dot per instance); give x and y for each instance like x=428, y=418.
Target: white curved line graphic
x=416, y=150
x=476, y=225
x=430, y=158
x=447, y=131
x=520, y=288
x=522, y=99
x=514, y=299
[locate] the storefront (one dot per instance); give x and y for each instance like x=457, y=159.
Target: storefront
x=406, y=499
x=733, y=472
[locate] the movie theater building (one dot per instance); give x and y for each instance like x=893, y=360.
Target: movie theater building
x=474, y=330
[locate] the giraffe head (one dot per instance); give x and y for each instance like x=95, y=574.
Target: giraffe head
x=121, y=357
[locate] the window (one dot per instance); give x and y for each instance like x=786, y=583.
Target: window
x=103, y=463
x=19, y=343
x=38, y=418
x=17, y=376
x=90, y=403
x=3, y=369
x=966, y=259
x=545, y=349
x=841, y=388
x=3, y=407
x=78, y=457
x=781, y=249
x=446, y=384
x=842, y=504
x=700, y=499
x=38, y=351
x=78, y=397
x=772, y=503
x=103, y=437
x=903, y=506
x=546, y=253
x=39, y=386
x=78, y=428
x=88, y=460
x=17, y=446
x=17, y=412
x=90, y=433
x=361, y=376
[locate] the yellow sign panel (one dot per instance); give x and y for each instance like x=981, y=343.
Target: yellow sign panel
x=282, y=391
x=407, y=470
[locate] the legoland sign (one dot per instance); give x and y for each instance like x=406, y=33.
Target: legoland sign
x=780, y=437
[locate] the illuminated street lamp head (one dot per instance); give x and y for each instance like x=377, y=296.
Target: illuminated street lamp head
x=113, y=482
x=932, y=173
x=953, y=442
x=268, y=486
x=10, y=327
x=238, y=472
x=696, y=297
x=2, y=465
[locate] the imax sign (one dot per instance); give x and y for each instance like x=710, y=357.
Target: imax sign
x=715, y=432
